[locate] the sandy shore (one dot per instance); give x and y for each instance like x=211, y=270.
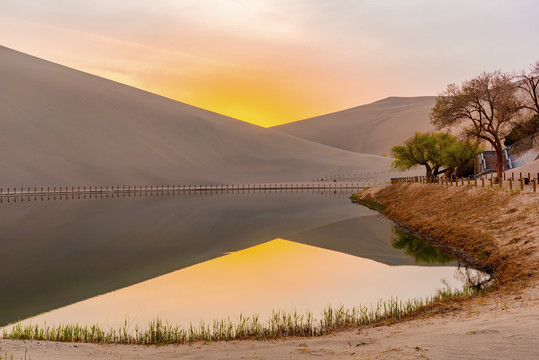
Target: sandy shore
x=502, y=325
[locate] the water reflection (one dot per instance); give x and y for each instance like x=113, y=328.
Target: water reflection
x=422, y=252
x=58, y=252
x=278, y=274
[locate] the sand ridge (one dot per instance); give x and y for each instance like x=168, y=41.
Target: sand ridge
x=373, y=128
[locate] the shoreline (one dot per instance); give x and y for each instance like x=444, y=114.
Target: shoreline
x=511, y=311
x=493, y=230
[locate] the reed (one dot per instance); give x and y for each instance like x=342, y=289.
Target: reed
x=281, y=324
x=10, y=357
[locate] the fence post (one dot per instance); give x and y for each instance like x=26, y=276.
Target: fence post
x=510, y=184
x=534, y=184
x=482, y=182
x=521, y=184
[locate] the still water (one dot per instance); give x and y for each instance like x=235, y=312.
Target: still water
x=186, y=257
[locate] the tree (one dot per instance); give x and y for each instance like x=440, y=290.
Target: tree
x=459, y=156
x=528, y=82
x=435, y=151
x=486, y=105
x=424, y=149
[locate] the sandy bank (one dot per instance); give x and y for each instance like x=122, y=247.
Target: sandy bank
x=495, y=230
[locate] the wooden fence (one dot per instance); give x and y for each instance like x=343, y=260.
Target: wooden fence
x=522, y=183
x=61, y=193
x=69, y=190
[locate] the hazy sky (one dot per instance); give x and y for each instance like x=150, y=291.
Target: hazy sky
x=275, y=61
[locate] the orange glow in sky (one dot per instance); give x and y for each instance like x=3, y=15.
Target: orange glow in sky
x=270, y=61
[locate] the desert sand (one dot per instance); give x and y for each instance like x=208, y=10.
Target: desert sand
x=372, y=128
x=62, y=127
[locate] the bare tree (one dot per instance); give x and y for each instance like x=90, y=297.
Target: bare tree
x=486, y=105
x=529, y=83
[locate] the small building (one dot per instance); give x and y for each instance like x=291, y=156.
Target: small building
x=516, y=155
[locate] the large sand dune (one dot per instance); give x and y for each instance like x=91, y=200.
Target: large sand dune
x=371, y=129
x=61, y=127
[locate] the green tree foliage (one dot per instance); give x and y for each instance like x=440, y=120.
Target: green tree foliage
x=459, y=157
x=522, y=130
x=438, y=152
x=422, y=149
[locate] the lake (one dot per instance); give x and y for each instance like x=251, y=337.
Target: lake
x=187, y=257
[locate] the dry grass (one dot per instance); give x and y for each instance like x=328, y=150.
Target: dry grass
x=490, y=229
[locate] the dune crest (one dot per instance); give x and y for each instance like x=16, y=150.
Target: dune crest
x=373, y=128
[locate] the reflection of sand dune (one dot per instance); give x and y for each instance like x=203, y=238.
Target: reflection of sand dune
x=371, y=129
x=57, y=252
x=278, y=274
x=64, y=127
x=365, y=236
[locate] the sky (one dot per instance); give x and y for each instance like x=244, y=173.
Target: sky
x=270, y=62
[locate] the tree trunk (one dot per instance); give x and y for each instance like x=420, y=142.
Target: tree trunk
x=429, y=170
x=499, y=160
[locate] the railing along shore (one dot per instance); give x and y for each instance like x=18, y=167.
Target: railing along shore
x=510, y=182
x=69, y=190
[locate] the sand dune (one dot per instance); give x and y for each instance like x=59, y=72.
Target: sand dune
x=64, y=127
x=371, y=129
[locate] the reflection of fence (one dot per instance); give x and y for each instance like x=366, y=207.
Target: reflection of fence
x=333, y=191
x=524, y=183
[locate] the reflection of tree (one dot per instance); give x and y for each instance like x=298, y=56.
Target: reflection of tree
x=472, y=278
x=418, y=249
